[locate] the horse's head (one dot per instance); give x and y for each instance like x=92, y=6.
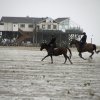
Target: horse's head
x=43, y=46
x=73, y=41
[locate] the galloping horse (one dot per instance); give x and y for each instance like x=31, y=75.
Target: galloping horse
x=88, y=47
x=57, y=52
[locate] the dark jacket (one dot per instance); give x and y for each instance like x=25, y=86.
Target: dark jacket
x=83, y=39
x=52, y=42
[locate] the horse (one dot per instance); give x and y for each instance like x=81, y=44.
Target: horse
x=57, y=51
x=88, y=47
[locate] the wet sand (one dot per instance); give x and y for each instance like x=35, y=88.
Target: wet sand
x=23, y=76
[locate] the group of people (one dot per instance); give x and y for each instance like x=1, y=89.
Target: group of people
x=52, y=42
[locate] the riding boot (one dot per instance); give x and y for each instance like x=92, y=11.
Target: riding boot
x=51, y=51
x=81, y=47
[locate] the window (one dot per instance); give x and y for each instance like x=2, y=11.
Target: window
x=43, y=26
x=54, y=26
x=30, y=26
x=22, y=25
x=49, y=26
x=44, y=21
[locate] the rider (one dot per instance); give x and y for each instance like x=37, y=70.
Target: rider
x=83, y=41
x=52, y=43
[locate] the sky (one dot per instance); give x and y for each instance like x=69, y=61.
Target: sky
x=85, y=13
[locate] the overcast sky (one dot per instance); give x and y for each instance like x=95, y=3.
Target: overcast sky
x=85, y=13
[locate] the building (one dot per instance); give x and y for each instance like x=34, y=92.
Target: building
x=27, y=23
x=67, y=24
x=22, y=28
x=13, y=23
x=63, y=23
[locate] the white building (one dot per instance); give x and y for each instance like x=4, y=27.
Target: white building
x=23, y=28
x=27, y=24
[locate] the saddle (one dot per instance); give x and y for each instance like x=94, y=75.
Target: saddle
x=82, y=45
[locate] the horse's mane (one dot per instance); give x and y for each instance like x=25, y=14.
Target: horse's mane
x=44, y=43
x=76, y=40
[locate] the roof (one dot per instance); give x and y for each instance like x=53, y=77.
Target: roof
x=17, y=19
x=37, y=20
x=21, y=19
x=32, y=20
x=44, y=19
x=61, y=19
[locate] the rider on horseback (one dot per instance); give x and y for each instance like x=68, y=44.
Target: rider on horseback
x=83, y=41
x=52, y=44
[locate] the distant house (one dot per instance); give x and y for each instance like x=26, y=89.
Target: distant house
x=10, y=26
x=27, y=23
x=23, y=28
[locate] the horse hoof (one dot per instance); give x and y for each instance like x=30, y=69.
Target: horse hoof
x=91, y=58
x=85, y=59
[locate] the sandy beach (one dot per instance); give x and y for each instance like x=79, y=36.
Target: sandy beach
x=23, y=76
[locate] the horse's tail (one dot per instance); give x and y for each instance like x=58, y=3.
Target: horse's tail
x=69, y=52
x=94, y=48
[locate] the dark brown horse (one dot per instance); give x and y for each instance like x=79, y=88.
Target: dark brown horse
x=88, y=47
x=57, y=52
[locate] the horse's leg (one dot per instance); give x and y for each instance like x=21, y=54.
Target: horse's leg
x=80, y=54
x=44, y=57
x=69, y=59
x=51, y=59
x=65, y=58
x=91, y=55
